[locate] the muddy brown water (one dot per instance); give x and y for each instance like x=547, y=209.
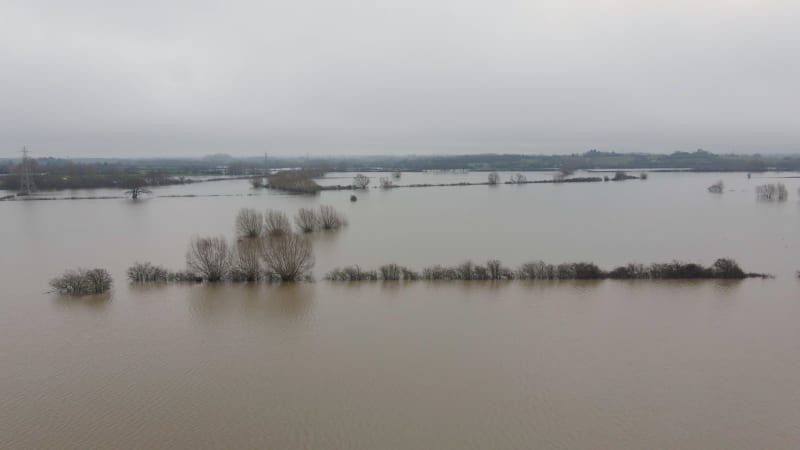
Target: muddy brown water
x=552, y=365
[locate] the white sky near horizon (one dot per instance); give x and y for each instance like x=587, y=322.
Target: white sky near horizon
x=188, y=78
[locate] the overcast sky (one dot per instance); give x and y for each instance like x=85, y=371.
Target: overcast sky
x=188, y=78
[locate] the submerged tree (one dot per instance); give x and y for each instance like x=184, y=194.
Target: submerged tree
x=360, y=181
x=209, y=258
x=518, y=179
x=288, y=257
x=82, y=282
x=386, y=183
x=717, y=187
x=493, y=178
x=249, y=223
x=276, y=223
x=136, y=187
x=306, y=220
x=776, y=191
x=329, y=218
x=246, y=260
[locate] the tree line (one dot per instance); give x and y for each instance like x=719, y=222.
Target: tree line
x=723, y=268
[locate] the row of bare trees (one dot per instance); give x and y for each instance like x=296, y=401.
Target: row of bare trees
x=772, y=192
x=287, y=257
x=251, y=224
x=538, y=270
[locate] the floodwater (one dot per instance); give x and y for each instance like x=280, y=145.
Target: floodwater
x=450, y=365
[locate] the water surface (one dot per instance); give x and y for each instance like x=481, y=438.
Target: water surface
x=608, y=364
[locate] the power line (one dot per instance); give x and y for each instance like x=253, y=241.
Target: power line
x=26, y=185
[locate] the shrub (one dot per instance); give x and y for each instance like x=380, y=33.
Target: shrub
x=147, y=273
x=772, y=192
x=411, y=275
x=390, y=272
x=246, y=260
x=727, y=268
x=717, y=188
x=82, y=282
x=329, y=218
x=209, y=258
x=518, y=179
x=352, y=273
x=288, y=257
x=360, y=181
x=249, y=223
x=465, y=271
x=306, y=220
x=276, y=223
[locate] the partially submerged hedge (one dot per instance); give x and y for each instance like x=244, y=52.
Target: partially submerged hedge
x=82, y=282
x=722, y=268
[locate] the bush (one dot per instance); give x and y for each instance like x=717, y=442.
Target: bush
x=306, y=220
x=360, y=181
x=249, y=223
x=147, y=273
x=82, y=282
x=209, y=258
x=390, y=272
x=727, y=268
x=246, y=260
x=329, y=218
x=518, y=179
x=538, y=270
x=717, y=188
x=288, y=257
x=771, y=192
x=276, y=223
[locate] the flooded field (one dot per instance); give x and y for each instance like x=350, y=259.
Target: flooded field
x=446, y=365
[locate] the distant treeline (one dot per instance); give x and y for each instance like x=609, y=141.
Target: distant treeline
x=59, y=173
x=722, y=268
x=48, y=175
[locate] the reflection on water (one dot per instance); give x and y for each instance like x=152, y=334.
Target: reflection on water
x=287, y=302
x=96, y=302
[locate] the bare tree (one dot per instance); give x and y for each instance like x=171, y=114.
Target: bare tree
x=209, y=257
x=276, y=223
x=518, y=179
x=493, y=178
x=249, y=223
x=246, y=259
x=136, y=187
x=717, y=187
x=329, y=218
x=288, y=257
x=360, y=181
x=771, y=192
x=386, y=183
x=306, y=220
x=257, y=182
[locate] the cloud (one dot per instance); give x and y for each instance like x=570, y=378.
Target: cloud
x=107, y=78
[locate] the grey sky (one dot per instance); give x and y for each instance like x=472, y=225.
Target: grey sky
x=183, y=78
